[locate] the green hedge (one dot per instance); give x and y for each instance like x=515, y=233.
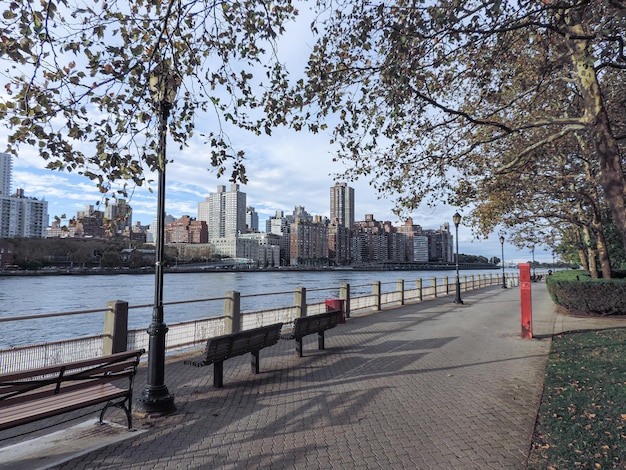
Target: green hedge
x=576, y=291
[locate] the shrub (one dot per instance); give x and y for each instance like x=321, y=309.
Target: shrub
x=577, y=292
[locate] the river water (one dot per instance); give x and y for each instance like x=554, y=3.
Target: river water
x=32, y=295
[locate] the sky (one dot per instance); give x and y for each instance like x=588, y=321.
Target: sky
x=285, y=170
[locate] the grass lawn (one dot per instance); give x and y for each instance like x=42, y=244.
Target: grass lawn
x=582, y=417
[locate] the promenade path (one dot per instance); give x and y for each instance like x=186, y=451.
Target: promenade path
x=433, y=385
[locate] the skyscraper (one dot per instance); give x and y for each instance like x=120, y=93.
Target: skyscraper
x=342, y=204
x=224, y=212
x=20, y=216
x=6, y=165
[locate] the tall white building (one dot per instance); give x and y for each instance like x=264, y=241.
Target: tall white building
x=6, y=166
x=23, y=217
x=224, y=213
x=20, y=216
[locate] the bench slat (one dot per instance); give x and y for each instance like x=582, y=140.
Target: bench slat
x=304, y=326
x=23, y=413
x=76, y=365
x=223, y=347
x=34, y=394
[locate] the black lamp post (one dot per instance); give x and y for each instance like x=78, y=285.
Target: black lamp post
x=503, y=276
x=456, y=218
x=532, y=251
x=155, y=397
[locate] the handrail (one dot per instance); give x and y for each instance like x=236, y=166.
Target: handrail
x=50, y=315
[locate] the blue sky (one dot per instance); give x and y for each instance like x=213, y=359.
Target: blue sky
x=284, y=170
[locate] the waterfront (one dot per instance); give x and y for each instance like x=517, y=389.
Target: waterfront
x=21, y=296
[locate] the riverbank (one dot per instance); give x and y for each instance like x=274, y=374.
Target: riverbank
x=201, y=268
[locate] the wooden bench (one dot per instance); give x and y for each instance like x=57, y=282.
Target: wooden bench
x=319, y=323
x=223, y=347
x=35, y=394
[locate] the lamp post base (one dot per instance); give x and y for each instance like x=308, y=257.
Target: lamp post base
x=156, y=400
x=457, y=299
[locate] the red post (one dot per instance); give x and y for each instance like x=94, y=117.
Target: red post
x=525, y=300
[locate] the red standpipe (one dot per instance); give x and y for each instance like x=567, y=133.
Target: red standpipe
x=525, y=300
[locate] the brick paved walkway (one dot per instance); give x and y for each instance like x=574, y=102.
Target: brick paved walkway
x=433, y=385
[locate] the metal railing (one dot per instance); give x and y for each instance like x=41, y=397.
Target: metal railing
x=194, y=333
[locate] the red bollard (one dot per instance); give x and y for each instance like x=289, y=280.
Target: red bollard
x=525, y=300
x=336, y=304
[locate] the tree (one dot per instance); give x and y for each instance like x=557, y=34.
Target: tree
x=78, y=78
x=432, y=97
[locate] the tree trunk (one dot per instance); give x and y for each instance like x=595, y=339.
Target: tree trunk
x=597, y=121
x=582, y=252
x=593, y=252
x=603, y=253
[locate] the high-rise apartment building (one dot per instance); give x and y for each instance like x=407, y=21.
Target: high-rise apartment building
x=252, y=220
x=224, y=212
x=308, y=242
x=20, y=216
x=119, y=217
x=6, y=166
x=342, y=204
x=440, y=244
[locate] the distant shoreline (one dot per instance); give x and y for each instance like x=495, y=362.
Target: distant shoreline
x=221, y=269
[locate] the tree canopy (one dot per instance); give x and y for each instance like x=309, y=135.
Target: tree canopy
x=77, y=78
x=438, y=100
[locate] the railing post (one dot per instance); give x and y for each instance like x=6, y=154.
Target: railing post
x=473, y=281
x=490, y=279
x=419, y=289
x=232, y=312
x=401, y=289
x=115, y=328
x=464, y=283
x=433, y=281
x=299, y=299
x=376, y=293
x=344, y=293
x=446, y=284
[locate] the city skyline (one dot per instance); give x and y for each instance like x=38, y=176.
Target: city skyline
x=69, y=193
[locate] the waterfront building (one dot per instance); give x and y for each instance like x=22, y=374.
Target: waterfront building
x=268, y=250
x=417, y=242
x=338, y=243
x=308, y=242
x=369, y=242
x=440, y=244
x=342, y=204
x=20, y=216
x=280, y=225
x=236, y=247
x=224, y=212
x=186, y=230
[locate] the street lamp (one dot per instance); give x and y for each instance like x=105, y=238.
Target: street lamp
x=503, y=276
x=456, y=218
x=155, y=397
x=532, y=250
